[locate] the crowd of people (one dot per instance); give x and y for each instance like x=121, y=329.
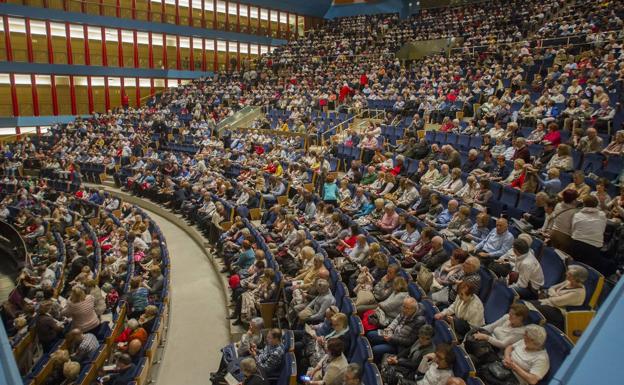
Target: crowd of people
x=408, y=228
x=94, y=276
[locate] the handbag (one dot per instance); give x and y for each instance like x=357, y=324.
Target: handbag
x=425, y=278
x=480, y=349
x=364, y=297
x=499, y=372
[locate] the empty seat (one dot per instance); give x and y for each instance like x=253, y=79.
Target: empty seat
x=415, y=291
x=362, y=352
x=487, y=280
x=553, y=267
x=371, y=375
x=496, y=189
x=463, y=142
x=429, y=310
x=443, y=334
x=613, y=167
x=463, y=367
x=509, y=196
x=500, y=299
x=592, y=162
x=526, y=201
x=558, y=347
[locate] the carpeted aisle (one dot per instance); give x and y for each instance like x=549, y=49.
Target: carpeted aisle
x=198, y=327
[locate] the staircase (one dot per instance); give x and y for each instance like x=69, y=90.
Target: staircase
x=241, y=118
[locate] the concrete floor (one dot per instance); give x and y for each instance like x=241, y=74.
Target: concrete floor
x=198, y=327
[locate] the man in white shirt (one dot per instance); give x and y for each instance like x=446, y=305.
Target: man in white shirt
x=530, y=274
x=588, y=227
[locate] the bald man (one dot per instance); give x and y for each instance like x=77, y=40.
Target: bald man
x=134, y=348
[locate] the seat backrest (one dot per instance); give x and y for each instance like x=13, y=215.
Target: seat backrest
x=415, y=291
x=496, y=189
x=500, y=299
x=363, y=352
x=463, y=367
x=553, y=267
x=487, y=279
x=443, y=334
x=288, y=373
x=339, y=293
x=509, y=196
x=371, y=375
x=558, y=346
x=347, y=307
x=429, y=310
x=288, y=340
x=592, y=162
x=527, y=201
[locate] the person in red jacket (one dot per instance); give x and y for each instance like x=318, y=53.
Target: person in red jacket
x=363, y=80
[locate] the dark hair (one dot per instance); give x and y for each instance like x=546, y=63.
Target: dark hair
x=520, y=246
x=469, y=288
x=569, y=196
x=447, y=352
x=460, y=255
x=520, y=309
x=276, y=333
x=394, y=266
x=553, y=126
x=428, y=232
x=335, y=347
x=426, y=331
x=125, y=359
x=590, y=201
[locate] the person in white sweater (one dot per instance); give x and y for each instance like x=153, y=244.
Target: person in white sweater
x=571, y=292
x=465, y=312
x=437, y=367
x=527, y=358
x=588, y=227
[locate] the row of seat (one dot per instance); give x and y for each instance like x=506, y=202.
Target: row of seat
x=107, y=334
x=497, y=297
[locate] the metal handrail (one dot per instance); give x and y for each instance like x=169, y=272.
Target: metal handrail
x=323, y=135
x=541, y=41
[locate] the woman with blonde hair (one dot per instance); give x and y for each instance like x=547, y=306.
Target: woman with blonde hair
x=57, y=361
x=518, y=169
x=80, y=307
x=562, y=159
